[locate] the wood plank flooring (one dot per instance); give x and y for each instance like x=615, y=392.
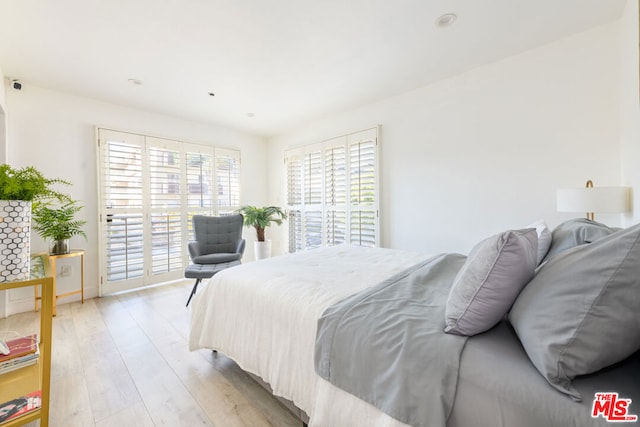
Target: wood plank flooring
x=124, y=361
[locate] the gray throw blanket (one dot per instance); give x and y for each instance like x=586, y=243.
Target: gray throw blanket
x=386, y=344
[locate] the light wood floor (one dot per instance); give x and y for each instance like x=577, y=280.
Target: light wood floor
x=124, y=361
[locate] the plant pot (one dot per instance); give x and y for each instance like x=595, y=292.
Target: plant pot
x=15, y=242
x=60, y=247
x=262, y=250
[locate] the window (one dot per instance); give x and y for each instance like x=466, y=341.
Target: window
x=332, y=192
x=149, y=190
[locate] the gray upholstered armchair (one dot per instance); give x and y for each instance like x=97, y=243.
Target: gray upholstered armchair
x=218, y=245
x=218, y=239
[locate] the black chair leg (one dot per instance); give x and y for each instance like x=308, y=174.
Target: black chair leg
x=193, y=291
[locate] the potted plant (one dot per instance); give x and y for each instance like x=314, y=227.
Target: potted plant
x=19, y=189
x=261, y=218
x=58, y=225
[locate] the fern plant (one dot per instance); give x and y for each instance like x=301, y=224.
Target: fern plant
x=29, y=184
x=58, y=223
x=261, y=218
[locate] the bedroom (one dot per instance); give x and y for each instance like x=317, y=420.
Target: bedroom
x=552, y=116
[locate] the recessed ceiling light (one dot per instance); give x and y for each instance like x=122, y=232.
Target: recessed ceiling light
x=446, y=20
x=250, y=114
x=135, y=82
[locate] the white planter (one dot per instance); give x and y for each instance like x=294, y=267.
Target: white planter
x=262, y=250
x=15, y=249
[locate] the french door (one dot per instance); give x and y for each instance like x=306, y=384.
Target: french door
x=149, y=189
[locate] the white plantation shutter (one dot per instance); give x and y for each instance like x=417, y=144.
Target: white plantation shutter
x=227, y=180
x=335, y=175
x=363, y=228
x=199, y=175
x=165, y=199
x=313, y=178
x=164, y=173
x=149, y=190
x=201, y=189
x=336, y=221
x=332, y=192
x=294, y=181
x=167, y=242
x=295, y=230
x=124, y=240
x=313, y=228
x=121, y=164
x=363, y=189
x=295, y=184
x=335, y=190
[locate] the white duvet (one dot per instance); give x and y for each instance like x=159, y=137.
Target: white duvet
x=264, y=315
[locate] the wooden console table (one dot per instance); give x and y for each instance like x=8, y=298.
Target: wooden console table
x=52, y=261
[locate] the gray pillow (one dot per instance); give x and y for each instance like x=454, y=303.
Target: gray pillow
x=581, y=312
x=490, y=280
x=576, y=232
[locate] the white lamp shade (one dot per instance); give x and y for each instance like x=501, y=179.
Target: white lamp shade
x=594, y=199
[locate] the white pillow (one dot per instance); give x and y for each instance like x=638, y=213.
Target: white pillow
x=544, y=238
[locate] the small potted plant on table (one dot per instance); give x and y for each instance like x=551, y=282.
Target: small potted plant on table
x=261, y=218
x=58, y=225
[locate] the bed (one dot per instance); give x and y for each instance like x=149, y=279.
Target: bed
x=268, y=317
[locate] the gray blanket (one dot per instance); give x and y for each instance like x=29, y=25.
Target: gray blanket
x=386, y=345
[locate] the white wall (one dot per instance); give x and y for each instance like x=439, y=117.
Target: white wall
x=3, y=119
x=55, y=132
x=630, y=105
x=486, y=150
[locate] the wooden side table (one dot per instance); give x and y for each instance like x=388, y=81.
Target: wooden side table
x=52, y=261
x=35, y=377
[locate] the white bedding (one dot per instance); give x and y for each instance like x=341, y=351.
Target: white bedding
x=264, y=315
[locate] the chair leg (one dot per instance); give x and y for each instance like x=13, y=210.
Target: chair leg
x=193, y=291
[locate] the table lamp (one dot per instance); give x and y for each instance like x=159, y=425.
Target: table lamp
x=592, y=199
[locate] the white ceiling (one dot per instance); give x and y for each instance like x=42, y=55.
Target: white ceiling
x=285, y=61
